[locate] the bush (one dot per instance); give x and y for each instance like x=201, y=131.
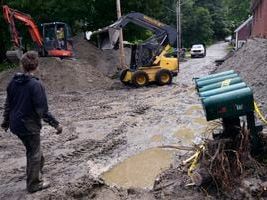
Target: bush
x=6, y=66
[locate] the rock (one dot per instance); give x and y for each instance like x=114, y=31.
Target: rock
x=264, y=189
x=252, y=186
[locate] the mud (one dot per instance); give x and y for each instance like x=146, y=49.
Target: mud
x=104, y=127
x=173, y=184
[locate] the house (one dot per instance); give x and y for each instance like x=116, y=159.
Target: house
x=243, y=32
x=259, y=10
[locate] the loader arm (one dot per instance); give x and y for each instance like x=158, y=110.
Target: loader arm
x=10, y=15
x=147, y=52
x=158, y=28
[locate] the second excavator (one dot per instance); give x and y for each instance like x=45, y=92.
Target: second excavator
x=149, y=60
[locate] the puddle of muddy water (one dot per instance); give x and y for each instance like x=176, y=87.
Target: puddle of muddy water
x=201, y=121
x=186, y=135
x=141, y=170
x=191, y=110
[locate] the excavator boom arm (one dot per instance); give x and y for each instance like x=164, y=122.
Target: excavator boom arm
x=146, y=53
x=10, y=15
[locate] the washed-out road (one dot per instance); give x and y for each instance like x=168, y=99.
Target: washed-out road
x=111, y=136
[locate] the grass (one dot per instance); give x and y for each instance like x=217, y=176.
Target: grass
x=6, y=66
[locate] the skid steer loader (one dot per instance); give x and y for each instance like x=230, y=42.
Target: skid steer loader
x=149, y=60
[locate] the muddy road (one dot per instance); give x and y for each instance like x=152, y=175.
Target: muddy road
x=111, y=136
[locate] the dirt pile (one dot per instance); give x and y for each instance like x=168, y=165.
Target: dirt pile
x=64, y=75
x=251, y=62
x=106, y=61
x=71, y=75
x=89, y=70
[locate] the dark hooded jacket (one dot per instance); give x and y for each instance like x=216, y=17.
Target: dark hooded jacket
x=26, y=105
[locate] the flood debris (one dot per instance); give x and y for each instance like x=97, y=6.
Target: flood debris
x=223, y=161
x=227, y=166
x=218, y=168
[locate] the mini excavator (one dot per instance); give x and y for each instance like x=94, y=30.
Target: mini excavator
x=48, y=44
x=149, y=60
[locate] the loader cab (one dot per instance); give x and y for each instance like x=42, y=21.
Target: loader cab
x=57, y=40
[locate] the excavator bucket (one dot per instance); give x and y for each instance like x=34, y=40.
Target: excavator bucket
x=14, y=56
x=107, y=38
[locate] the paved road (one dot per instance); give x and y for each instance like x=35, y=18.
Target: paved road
x=198, y=67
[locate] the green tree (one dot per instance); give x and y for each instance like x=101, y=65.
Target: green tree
x=197, y=27
x=217, y=9
x=202, y=20
x=237, y=11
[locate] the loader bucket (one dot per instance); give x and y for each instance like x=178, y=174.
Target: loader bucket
x=14, y=56
x=108, y=38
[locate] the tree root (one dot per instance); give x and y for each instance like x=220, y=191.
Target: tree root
x=223, y=162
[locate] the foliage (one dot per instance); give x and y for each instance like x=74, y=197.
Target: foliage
x=196, y=25
x=237, y=11
x=5, y=66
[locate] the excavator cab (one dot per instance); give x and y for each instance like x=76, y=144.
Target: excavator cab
x=57, y=40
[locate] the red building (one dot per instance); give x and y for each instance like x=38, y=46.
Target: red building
x=259, y=9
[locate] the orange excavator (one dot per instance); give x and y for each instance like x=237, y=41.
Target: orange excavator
x=55, y=40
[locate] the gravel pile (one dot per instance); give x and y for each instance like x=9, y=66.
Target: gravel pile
x=251, y=63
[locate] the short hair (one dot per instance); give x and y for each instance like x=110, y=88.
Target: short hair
x=30, y=61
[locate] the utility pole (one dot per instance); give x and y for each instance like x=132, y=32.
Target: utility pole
x=178, y=15
x=180, y=26
x=122, y=53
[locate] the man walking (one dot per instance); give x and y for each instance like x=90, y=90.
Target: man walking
x=26, y=105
